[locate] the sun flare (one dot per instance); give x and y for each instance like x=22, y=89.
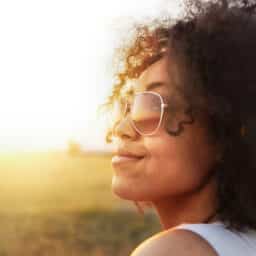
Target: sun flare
x=52, y=60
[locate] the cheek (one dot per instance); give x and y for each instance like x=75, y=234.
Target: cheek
x=167, y=165
x=175, y=164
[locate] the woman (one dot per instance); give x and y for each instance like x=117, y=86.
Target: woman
x=184, y=118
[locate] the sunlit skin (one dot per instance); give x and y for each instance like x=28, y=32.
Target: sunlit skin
x=173, y=174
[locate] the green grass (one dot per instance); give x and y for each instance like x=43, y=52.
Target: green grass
x=56, y=204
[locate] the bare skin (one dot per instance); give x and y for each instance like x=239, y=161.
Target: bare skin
x=173, y=243
x=174, y=174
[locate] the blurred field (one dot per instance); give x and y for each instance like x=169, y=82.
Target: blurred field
x=58, y=204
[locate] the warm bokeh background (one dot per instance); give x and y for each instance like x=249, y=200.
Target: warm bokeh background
x=60, y=203
x=55, y=171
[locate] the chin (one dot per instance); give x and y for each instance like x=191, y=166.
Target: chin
x=121, y=190
x=125, y=191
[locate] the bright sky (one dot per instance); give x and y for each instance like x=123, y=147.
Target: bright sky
x=54, y=58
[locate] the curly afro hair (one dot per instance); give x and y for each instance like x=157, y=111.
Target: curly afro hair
x=213, y=44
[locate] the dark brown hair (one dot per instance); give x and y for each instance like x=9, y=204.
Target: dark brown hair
x=214, y=46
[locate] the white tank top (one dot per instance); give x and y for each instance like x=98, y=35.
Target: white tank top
x=224, y=241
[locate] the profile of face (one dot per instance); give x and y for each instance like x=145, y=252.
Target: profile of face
x=171, y=166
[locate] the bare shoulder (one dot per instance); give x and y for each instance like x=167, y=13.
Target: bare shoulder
x=177, y=242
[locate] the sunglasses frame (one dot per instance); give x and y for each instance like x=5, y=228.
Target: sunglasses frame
x=163, y=106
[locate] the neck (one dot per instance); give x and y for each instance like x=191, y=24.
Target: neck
x=194, y=207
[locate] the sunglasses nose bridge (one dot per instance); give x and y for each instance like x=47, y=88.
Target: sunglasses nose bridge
x=125, y=128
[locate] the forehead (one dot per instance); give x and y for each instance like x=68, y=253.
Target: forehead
x=155, y=78
x=160, y=77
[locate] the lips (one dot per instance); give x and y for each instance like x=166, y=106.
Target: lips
x=124, y=156
x=126, y=153
x=119, y=159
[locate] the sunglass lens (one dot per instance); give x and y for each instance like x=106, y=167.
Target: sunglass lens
x=146, y=112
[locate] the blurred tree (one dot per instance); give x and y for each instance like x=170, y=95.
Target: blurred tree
x=74, y=148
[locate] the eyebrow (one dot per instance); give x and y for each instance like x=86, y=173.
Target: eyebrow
x=154, y=85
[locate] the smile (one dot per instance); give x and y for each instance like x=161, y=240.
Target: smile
x=120, y=159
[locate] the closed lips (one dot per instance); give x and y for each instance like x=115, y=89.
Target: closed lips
x=128, y=154
x=123, y=157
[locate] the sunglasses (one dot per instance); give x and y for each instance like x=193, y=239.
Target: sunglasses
x=146, y=110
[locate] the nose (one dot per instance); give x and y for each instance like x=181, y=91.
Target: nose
x=123, y=129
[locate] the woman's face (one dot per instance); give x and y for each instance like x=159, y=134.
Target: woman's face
x=172, y=165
